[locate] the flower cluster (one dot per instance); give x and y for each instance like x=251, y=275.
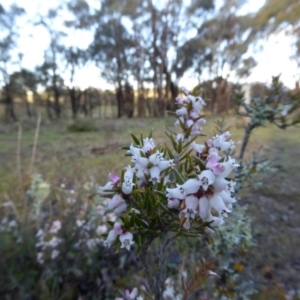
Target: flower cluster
x=210, y=190
x=189, y=116
x=162, y=184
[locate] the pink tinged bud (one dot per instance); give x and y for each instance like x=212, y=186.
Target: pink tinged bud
x=173, y=203
x=197, y=147
x=110, y=238
x=206, y=178
x=114, y=178
x=201, y=121
x=189, y=123
x=196, y=129
x=204, y=208
x=177, y=192
x=126, y=240
x=224, y=169
x=118, y=228
x=209, y=143
x=194, y=114
x=127, y=187
x=182, y=111
x=191, y=186
x=219, y=168
x=212, y=160
x=155, y=174
x=218, y=205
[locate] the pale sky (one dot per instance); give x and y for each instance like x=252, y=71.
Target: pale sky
x=274, y=59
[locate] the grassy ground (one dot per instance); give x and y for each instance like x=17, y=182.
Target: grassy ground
x=75, y=158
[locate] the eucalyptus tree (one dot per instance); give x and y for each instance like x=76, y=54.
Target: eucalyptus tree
x=9, y=34
x=74, y=58
x=22, y=82
x=219, y=49
x=50, y=71
x=275, y=16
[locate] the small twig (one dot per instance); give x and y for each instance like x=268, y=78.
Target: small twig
x=37, y=130
x=142, y=256
x=160, y=276
x=19, y=154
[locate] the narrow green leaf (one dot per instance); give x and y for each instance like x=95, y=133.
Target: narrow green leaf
x=135, y=139
x=179, y=177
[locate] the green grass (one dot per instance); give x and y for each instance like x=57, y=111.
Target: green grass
x=75, y=158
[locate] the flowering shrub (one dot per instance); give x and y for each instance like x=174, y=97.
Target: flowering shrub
x=168, y=193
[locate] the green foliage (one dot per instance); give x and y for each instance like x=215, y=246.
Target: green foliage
x=82, y=125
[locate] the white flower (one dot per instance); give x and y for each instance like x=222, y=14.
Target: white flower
x=204, y=208
x=128, y=175
x=56, y=226
x=40, y=258
x=54, y=254
x=108, y=186
x=79, y=223
x=182, y=111
x=127, y=187
x=191, y=204
x=227, y=198
x=101, y=229
x=156, y=158
x=140, y=161
x=173, y=203
x=155, y=174
x=197, y=147
x=134, y=150
x=217, y=203
x=110, y=238
x=180, y=137
x=126, y=240
x=191, y=186
x=149, y=145
x=131, y=295
x=164, y=164
x=117, y=203
x=207, y=177
x=177, y=192
x=54, y=242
